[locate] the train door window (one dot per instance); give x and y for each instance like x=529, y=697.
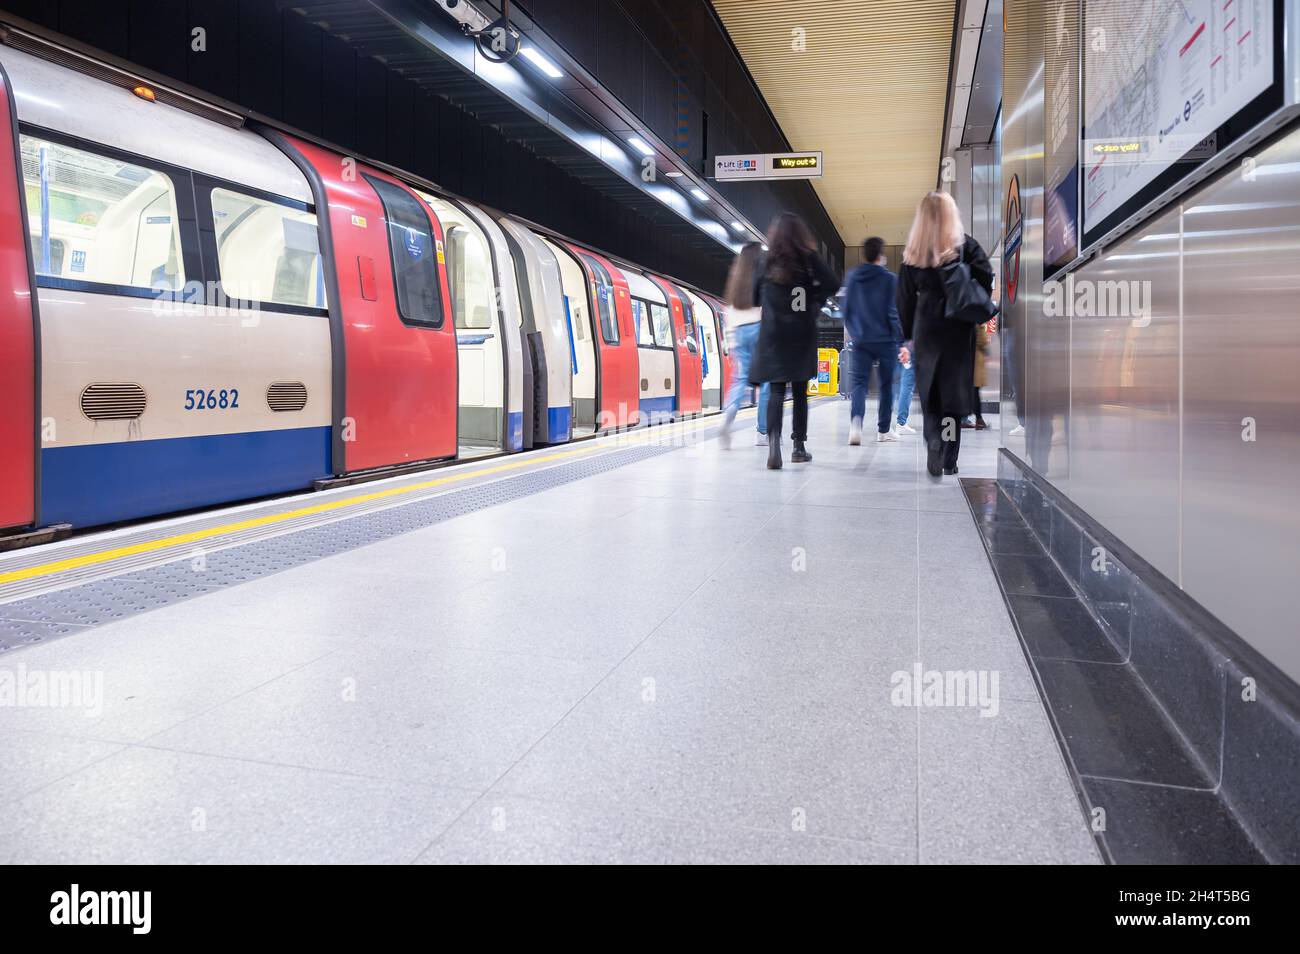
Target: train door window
x=267, y=251
x=603, y=291
x=645, y=336
x=469, y=270
x=100, y=220
x=663, y=325
x=411, y=249
x=688, y=316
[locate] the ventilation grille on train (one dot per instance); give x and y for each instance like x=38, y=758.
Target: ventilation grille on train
x=113, y=402
x=287, y=396
x=47, y=50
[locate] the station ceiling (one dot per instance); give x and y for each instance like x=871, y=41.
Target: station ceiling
x=868, y=89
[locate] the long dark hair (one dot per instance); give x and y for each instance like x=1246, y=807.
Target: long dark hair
x=789, y=243
x=740, y=280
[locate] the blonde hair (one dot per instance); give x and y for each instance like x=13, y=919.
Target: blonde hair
x=937, y=234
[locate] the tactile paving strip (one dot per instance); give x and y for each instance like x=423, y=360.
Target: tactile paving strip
x=62, y=612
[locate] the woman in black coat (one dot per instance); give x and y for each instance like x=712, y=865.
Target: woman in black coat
x=790, y=285
x=943, y=350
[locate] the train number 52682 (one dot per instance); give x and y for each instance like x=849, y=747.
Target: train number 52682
x=211, y=399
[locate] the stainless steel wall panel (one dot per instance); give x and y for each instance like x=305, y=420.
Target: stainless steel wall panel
x=1022, y=125
x=1241, y=365
x=1045, y=344
x=1124, y=422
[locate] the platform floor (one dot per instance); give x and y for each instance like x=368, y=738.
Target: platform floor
x=686, y=658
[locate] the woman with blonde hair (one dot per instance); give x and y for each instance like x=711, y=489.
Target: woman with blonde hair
x=942, y=349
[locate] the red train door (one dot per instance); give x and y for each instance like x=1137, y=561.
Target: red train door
x=395, y=364
x=690, y=379
x=17, y=336
x=619, y=401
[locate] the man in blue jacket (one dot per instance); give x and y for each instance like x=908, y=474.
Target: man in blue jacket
x=875, y=335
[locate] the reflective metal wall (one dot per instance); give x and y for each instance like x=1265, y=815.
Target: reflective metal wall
x=1241, y=401
x=1176, y=422
x=976, y=188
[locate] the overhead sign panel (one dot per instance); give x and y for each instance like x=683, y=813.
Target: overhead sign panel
x=760, y=166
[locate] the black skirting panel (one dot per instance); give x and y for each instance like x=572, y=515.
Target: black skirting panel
x=1184, y=742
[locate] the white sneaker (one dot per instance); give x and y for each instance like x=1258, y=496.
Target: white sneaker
x=761, y=441
x=724, y=437
x=886, y=437
x=855, y=432
x=1016, y=431
x=904, y=429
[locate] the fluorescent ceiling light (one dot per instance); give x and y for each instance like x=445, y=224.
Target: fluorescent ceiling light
x=737, y=226
x=700, y=194
x=541, y=62
x=674, y=174
x=640, y=146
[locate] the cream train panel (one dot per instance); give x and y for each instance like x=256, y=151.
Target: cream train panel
x=546, y=294
x=638, y=286
x=53, y=97
x=169, y=350
x=511, y=316
x=658, y=394
x=707, y=322
x=478, y=324
x=575, y=291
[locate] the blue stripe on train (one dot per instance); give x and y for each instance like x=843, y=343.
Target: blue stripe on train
x=107, y=483
x=515, y=431
x=654, y=410
x=559, y=424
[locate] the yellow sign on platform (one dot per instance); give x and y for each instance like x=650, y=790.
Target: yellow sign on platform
x=827, y=380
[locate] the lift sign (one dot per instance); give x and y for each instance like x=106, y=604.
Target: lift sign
x=769, y=165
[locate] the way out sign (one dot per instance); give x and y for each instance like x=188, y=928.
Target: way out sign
x=769, y=165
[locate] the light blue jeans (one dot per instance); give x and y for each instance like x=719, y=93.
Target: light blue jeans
x=742, y=350
x=904, y=385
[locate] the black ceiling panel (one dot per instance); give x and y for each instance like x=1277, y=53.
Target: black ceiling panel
x=343, y=71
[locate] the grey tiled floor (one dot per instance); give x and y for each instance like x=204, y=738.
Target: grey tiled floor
x=684, y=659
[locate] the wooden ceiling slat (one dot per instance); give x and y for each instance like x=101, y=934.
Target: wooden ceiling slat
x=868, y=90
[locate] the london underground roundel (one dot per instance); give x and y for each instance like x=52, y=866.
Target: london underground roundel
x=1011, y=242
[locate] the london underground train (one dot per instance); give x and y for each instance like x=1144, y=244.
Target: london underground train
x=203, y=312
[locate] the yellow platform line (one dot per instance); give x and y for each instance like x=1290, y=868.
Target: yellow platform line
x=194, y=536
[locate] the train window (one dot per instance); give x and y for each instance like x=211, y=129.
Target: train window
x=469, y=270
x=688, y=316
x=608, y=323
x=663, y=325
x=411, y=249
x=645, y=336
x=267, y=251
x=602, y=290
x=100, y=220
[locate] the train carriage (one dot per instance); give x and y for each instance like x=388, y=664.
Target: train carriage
x=206, y=310
x=183, y=336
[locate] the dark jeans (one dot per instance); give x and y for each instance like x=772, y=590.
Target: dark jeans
x=776, y=409
x=864, y=355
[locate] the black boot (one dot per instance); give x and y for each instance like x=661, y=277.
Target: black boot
x=934, y=457
x=773, y=450
x=800, y=454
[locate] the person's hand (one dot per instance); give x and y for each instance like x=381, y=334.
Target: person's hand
x=904, y=355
